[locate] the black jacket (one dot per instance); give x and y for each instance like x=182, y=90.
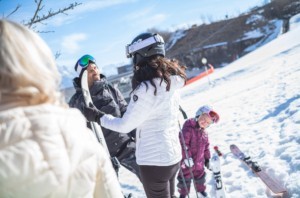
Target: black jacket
x=110, y=101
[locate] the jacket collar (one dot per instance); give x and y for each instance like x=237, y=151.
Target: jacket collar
x=77, y=82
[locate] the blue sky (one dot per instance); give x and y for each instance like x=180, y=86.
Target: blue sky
x=103, y=28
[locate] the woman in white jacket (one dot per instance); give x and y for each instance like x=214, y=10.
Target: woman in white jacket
x=153, y=110
x=46, y=150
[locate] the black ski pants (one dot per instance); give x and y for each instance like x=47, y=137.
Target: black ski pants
x=126, y=157
x=159, y=181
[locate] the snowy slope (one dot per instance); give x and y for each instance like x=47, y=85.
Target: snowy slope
x=258, y=99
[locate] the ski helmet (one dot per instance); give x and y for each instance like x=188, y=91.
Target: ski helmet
x=209, y=111
x=145, y=45
x=83, y=63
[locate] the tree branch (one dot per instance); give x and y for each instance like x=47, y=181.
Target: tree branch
x=15, y=10
x=57, y=55
x=37, y=19
x=38, y=9
x=43, y=32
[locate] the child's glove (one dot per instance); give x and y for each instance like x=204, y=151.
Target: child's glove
x=206, y=164
x=189, y=162
x=92, y=114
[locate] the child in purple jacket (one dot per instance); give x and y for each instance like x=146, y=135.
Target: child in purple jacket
x=197, y=144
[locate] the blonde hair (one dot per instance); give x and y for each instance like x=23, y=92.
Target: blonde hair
x=28, y=70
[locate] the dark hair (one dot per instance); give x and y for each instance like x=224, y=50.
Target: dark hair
x=156, y=67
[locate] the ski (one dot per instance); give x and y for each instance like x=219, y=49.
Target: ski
x=273, y=184
x=220, y=154
x=216, y=169
x=87, y=99
x=96, y=127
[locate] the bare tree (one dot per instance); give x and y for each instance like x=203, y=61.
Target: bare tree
x=203, y=18
x=57, y=55
x=39, y=18
x=206, y=18
x=210, y=18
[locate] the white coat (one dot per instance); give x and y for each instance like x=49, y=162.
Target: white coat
x=156, y=120
x=47, y=151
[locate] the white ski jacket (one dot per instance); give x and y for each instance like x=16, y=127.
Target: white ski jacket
x=156, y=120
x=47, y=151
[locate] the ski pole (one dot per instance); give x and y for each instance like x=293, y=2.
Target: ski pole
x=187, y=155
x=183, y=112
x=184, y=182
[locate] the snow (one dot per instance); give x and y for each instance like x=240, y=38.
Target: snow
x=215, y=45
x=258, y=99
x=295, y=21
x=175, y=37
x=269, y=33
x=253, y=34
x=254, y=19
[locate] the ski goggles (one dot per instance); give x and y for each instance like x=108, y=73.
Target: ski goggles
x=214, y=116
x=134, y=47
x=211, y=113
x=84, y=62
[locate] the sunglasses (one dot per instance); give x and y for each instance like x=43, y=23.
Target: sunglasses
x=85, y=60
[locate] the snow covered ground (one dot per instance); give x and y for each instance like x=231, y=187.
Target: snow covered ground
x=258, y=99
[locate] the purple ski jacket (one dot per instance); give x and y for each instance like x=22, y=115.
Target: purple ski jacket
x=197, y=143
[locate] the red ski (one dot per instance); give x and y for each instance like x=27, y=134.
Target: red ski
x=273, y=184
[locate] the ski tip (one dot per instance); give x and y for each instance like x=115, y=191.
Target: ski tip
x=216, y=148
x=232, y=146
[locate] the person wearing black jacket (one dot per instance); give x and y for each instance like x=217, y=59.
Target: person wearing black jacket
x=108, y=99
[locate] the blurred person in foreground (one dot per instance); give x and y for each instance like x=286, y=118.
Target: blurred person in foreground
x=46, y=150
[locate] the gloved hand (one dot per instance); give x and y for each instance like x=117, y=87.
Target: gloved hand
x=92, y=114
x=189, y=162
x=206, y=164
